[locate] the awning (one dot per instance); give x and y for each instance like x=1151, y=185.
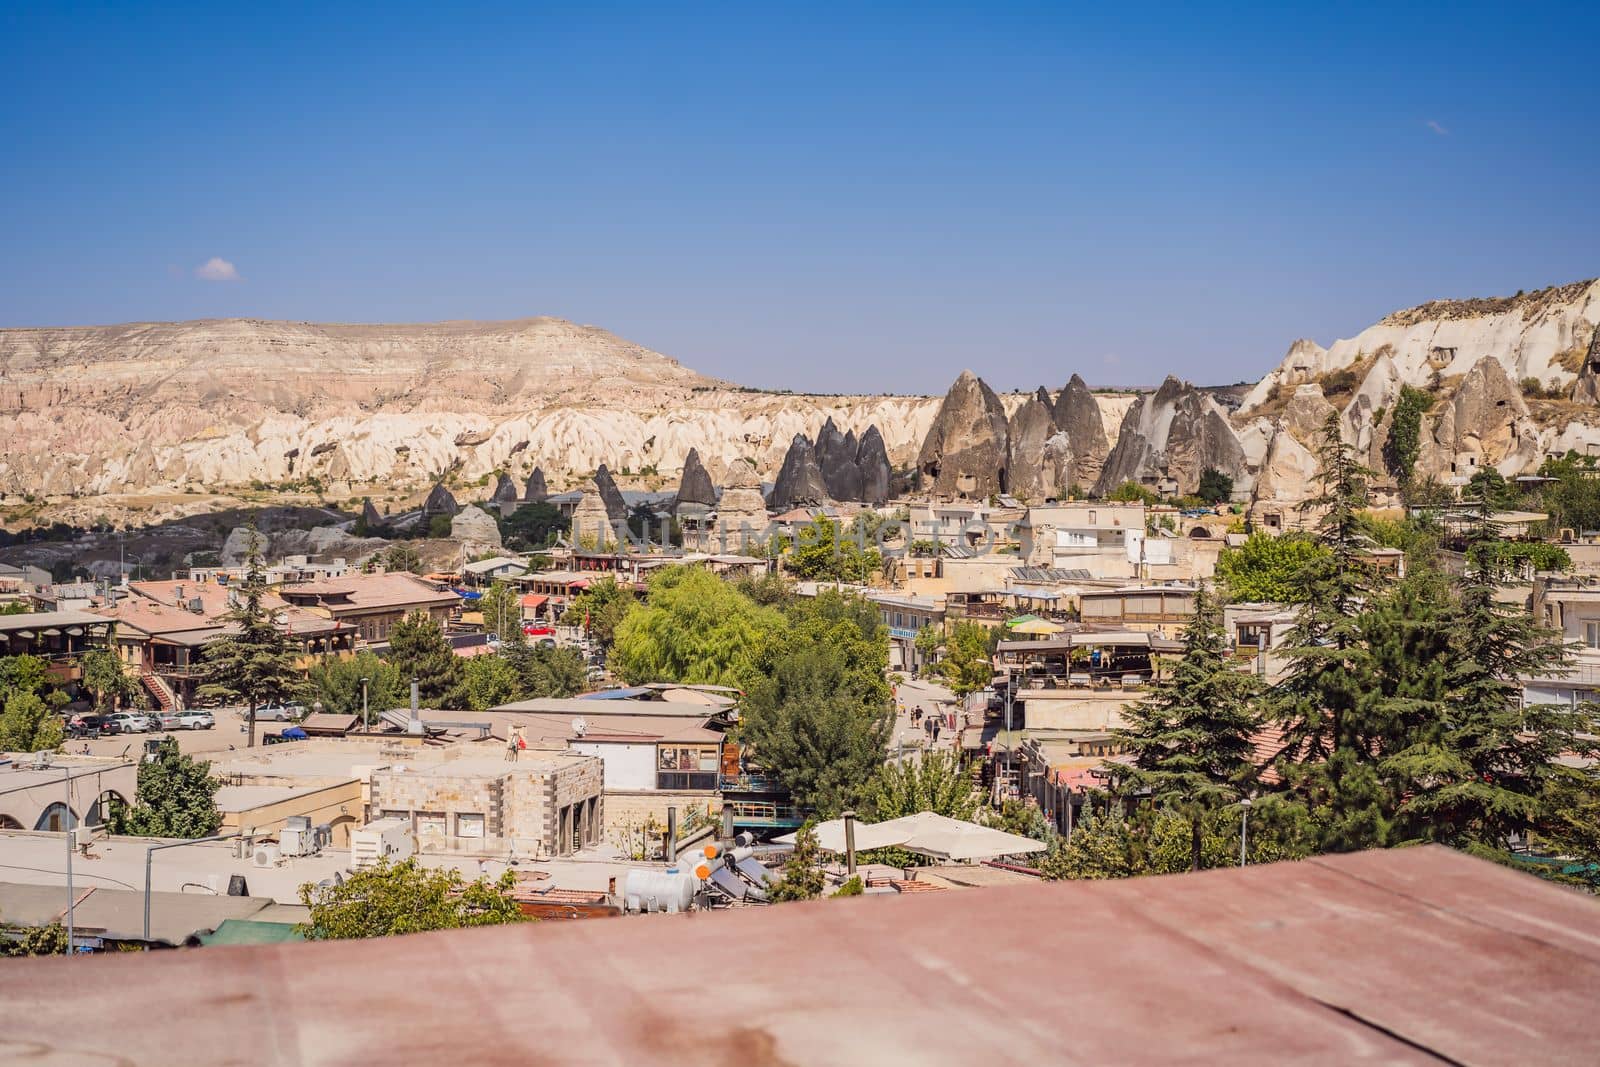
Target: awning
x=928, y=834
x=1123, y=638
x=1021, y=619
x=533, y=600
x=1043, y=627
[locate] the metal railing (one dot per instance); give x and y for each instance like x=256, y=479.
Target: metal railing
x=751, y=783
x=758, y=813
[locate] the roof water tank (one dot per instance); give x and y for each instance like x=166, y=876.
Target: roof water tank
x=669, y=890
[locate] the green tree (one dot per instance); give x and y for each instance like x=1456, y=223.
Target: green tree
x=1404, y=444
x=1323, y=704
x=401, y=557
x=256, y=663
x=501, y=606
x=177, y=797
x=544, y=671
x=1267, y=569
x=406, y=898
x=851, y=887
x=1133, y=493
x=1573, y=499
x=934, y=782
x=600, y=609
x=824, y=551
x=817, y=712
x=1101, y=846
x=48, y=940
x=1018, y=817
x=694, y=628
x=802, y=877
x=439, y=527
x=418, y=650
x=533, y=526
x=1480, y=767
x=1215, y=487
x=966, y=666
x=104, y=676
x=28, y=725
x=1192, y=739
x=490, y=681
x=1489, y=484
x=336, y=684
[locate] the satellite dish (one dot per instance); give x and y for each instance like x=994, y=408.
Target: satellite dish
x=580, y=726
x=282, y=618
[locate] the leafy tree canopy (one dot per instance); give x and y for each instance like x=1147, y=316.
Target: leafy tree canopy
x=418, y=649
x=693, y=628
x=1267, y=569
x=406, y=898
x=600, y=609
x=176, y=798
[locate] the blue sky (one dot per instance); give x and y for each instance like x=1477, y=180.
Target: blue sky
x=820, y=197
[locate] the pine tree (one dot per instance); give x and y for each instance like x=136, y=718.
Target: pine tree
x=419, y=651
x=1483, y=774
x=1323, y=703
x=256, y=663
x=802, y=873
x=1192, y=738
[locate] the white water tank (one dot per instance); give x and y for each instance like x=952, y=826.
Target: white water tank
x=671, y=890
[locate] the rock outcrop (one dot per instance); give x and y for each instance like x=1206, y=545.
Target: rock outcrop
x=369, y=515
x=965, y=453
x=1175, y=434
x=1486, y=423
x=1306, y=415
x=1539, y=335
x=695, y=486
x=877, y=475
x=1032, y=426
x=536, y=491
x=476, y=531
x=505, y=490
x=836, y=458
x=592, y=524
x=1586, y=390
x=440, y=502
x=610, y=495
x=1078, y=415
x=741, y=511
x=800, y=482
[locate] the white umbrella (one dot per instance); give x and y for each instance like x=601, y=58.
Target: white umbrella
x=830, y=835
x=942, y=837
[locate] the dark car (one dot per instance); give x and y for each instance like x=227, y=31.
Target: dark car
x=82, y=726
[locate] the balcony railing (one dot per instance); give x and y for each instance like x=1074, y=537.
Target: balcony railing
x=751, y=783
x=771, y=816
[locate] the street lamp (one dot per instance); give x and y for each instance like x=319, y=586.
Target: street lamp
x=1244, y=829
x=365, y=722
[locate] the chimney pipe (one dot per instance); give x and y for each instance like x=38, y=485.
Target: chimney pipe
x=672, y=835
x=415, y=726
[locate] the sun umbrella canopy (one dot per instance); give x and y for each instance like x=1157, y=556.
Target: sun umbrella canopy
x=928, y=834
x=1020, y=619
x=1042, y=627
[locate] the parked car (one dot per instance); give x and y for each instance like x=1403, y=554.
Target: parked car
x=280, y=712
x=168, y=720
x=196, y=720
x=133, y=722
x=82, y=726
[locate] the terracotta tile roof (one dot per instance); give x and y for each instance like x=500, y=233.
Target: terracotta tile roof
x=356, y=593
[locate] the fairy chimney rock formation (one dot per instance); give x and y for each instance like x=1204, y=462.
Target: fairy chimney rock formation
x=872, y=460
x=505, y=490
x=800, y=482
x=610, y=495
x=440, y=502
x=1031, y=428
x=964, y=454
x=1176, y=434
x=695, y=486
x=536, y=491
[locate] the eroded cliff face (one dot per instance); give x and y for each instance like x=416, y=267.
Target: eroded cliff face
x=1175, y=433
x=163, y=407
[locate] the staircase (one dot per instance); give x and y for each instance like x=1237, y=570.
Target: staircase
x=165, y=697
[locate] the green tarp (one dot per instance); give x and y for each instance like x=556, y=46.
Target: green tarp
x=249, y=932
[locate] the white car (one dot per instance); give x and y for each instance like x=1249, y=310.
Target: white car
x=279, y=713
x=195, y=720
x=134, y=722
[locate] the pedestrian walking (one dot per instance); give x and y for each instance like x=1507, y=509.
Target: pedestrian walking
x=935, y=721
x=513, y=749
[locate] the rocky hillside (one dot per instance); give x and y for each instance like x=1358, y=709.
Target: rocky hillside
x=164, y=407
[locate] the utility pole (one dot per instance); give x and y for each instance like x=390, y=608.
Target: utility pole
x=149, y=854
x=71, y=896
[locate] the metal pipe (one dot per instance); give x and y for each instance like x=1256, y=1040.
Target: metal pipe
x=850, y=843
x=672, y=835
x=71, y=833
x=1244, y=829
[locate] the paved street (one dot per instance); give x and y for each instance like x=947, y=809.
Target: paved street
x=932, y=699
x=228, y=733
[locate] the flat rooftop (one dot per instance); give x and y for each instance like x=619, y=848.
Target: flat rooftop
x=1417, y=955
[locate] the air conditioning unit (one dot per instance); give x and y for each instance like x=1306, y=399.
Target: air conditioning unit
x=293, y=841
x=265, y=855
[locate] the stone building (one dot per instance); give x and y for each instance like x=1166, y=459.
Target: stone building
x=544, y=804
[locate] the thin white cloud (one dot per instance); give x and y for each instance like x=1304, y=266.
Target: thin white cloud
x=216, y=269
x=1438, y=128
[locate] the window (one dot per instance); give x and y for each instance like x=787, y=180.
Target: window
x=1591, y=634
x=431, y=824
x=686, y=767
x=469, y=824
x=1092, y=518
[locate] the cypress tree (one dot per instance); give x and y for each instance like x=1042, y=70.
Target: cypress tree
x=1192, y=737
x=417, y=649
